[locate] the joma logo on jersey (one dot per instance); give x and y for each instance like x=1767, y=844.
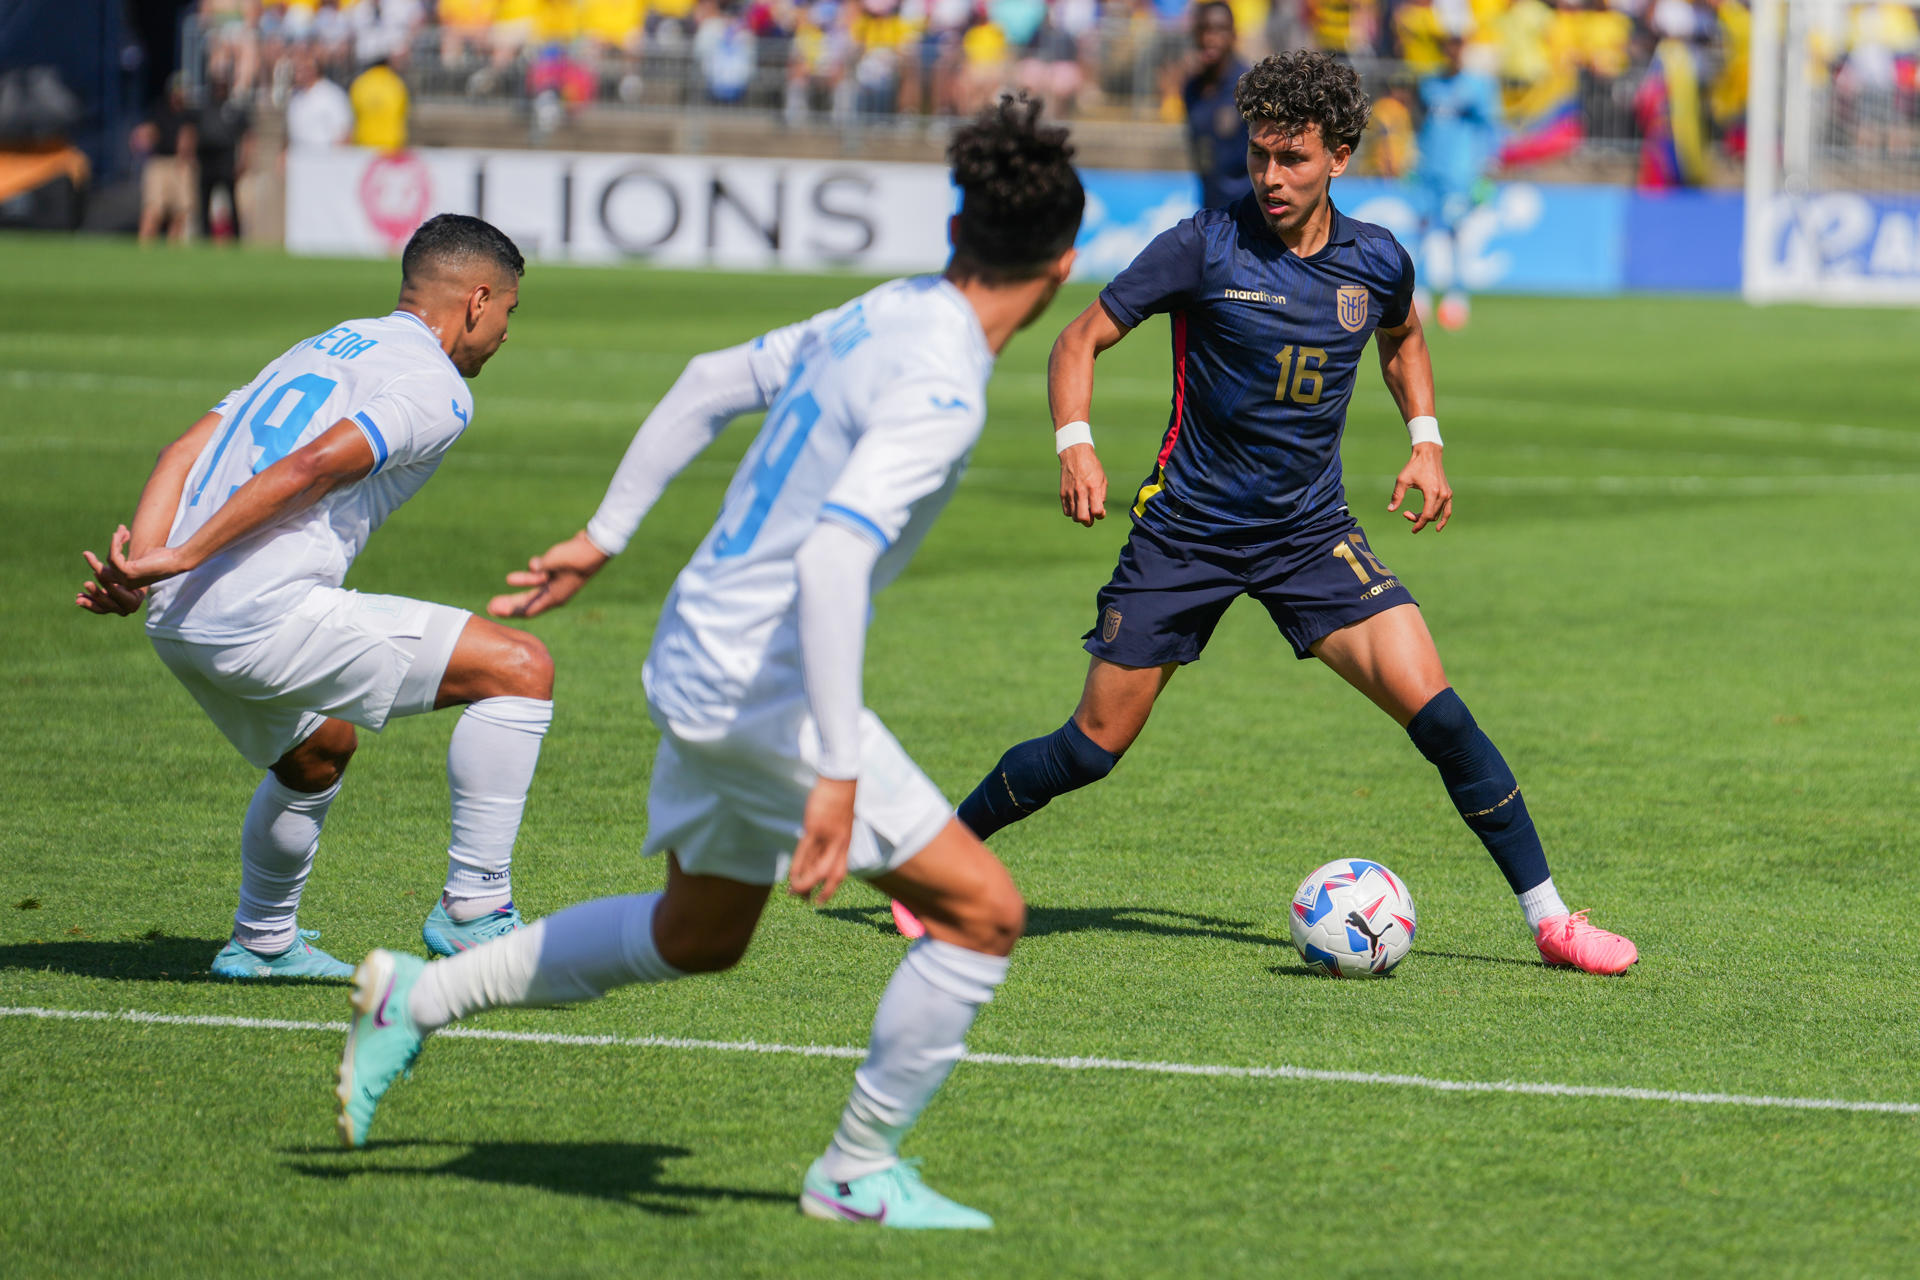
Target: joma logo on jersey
x=1353, y=301
x=1253, y=295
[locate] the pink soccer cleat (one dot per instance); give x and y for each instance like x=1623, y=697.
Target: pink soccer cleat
x=1570, y=940
x=910, y=927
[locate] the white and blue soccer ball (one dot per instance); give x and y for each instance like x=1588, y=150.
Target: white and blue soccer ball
x=1353, y=919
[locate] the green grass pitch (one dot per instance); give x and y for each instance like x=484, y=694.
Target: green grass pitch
x=1677, y=592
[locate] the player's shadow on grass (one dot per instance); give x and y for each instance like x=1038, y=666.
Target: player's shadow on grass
x=630, y=1173
x=1042, y=921
x=158, y=957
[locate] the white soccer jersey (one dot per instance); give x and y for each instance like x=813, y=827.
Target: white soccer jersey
x=391, y=378
x=881, y=401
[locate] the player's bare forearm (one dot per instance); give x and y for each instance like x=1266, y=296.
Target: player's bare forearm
x=1083, y=481
x=160, y=498
x=339, y=456
x=550, y=579
x=1406, y=366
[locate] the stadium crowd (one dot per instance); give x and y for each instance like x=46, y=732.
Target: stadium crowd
x=1664, y=77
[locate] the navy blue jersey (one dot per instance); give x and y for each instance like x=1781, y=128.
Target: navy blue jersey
x=1217, y=137
x=1266, y=348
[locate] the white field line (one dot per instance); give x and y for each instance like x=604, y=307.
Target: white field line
x=1010, y=1060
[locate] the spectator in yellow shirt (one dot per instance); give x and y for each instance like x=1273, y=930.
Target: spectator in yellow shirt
x=379, y=98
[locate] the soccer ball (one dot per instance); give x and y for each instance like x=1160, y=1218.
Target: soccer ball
x=1353, y=919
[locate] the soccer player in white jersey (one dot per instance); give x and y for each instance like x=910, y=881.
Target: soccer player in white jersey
x=242, y=537
x=754, y=680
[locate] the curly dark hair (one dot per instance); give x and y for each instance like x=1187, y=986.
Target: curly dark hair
x=1021, y=201
x=1305, y=87
x=456, y=240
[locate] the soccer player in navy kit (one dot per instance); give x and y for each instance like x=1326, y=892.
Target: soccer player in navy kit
x=1272, y=301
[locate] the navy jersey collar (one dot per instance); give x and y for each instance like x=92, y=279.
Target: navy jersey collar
x=1340, y=231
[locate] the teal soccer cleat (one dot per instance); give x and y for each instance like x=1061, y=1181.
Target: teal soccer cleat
x=381, y=1040
x=445, y=936
x=893, y=1197
x=301, y=960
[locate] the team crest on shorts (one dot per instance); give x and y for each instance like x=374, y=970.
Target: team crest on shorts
x=1353, y=300
x=1110, y=624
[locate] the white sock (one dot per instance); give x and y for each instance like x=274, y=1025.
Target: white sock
x=277, y=843
x=490, y=765
x=577, y=954
x=1542, y=902
x=919, y=1032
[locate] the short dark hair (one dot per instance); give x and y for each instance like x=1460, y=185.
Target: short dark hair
x=456, y=240
x=1302, y=88
x=1021, y=201
x=1200, y=11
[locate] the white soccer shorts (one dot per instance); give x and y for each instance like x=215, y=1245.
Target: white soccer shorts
x=734, y=806
x=361, y=658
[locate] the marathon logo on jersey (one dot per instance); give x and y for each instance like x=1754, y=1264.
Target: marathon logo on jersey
x=1254, y=295
x=1353, y=301
x=1110, y=624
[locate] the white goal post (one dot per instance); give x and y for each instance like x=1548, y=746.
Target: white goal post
x=1833, y=153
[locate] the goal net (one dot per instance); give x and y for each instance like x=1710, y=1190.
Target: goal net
x=1833, y=152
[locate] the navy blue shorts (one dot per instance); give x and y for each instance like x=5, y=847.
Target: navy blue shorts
x=1168, y=592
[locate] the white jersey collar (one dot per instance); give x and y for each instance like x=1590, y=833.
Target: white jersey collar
x=399, y=314
x=947, y=289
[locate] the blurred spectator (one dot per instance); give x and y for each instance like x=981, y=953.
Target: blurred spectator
x=385, y=28
x=613, y=30
x=1050, y=68
x=723, y=45
x=941, y=54
x=466, y=30
x=1668, y=110
x=1345, y=26
x=223, y=145
x=1727, y=101
x=670, y=22
x=1387, y=149
x=231, y=30
x=380, y=102
x=319, y=114
x=514, y=23
x=986, y=56
x=167, y=142
x=1459, y=136
x=817, y=62
x=558, y=85
x=1216, y=133
x=884, y=39
x=332, y=34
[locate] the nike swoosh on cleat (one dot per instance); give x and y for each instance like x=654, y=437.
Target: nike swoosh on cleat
x=380, y=1018
x=850, y=1213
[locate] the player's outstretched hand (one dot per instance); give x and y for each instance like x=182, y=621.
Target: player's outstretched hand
x=107, y=594
x=820, y=859
x=551, y=579
x=1083, y=485
x=1424, y=472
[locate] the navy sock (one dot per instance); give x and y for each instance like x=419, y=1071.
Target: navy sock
x=1481, y=786
x=1033, y=773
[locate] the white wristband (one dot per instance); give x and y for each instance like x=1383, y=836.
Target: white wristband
x=1070, y=435
x=1424, y=430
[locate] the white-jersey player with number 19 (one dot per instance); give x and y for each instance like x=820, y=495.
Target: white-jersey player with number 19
x=767, y=756
x=241, y=542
